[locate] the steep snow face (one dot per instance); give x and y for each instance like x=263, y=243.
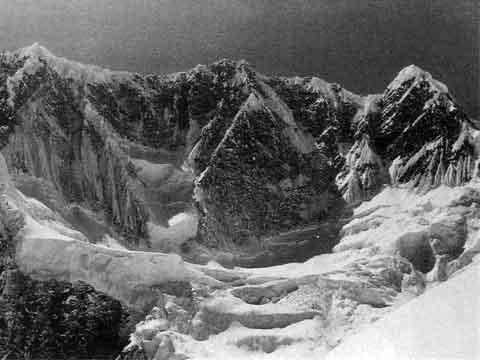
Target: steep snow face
x=37, y=56
x=442, y=223
x=441, y=324
x=307, y=309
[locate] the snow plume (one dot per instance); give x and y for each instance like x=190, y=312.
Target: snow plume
x=182, y=227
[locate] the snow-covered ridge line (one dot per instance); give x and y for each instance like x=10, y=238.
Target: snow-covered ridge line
x=414, y=72
x=36, y=54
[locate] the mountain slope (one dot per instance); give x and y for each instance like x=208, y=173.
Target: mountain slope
x=130, y=151
x=413, y=133
x=92, y=133
x=437, y=325
x=223, y=163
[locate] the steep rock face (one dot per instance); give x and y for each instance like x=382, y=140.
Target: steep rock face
x=413, y=133
x=419, y=107
x=264, y=175
x=58, y=137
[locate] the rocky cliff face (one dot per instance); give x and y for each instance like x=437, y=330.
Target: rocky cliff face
x=249, y=156
x=129, y=147
x=414, y=133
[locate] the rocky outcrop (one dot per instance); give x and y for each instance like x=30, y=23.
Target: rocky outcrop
x=46, y=320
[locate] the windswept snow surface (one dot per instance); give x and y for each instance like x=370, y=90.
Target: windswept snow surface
x=444, y=323
x=66, y=68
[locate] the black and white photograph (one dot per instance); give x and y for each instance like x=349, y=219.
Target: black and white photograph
x=239, y=179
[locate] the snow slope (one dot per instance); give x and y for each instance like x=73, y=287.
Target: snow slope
x=444, y=323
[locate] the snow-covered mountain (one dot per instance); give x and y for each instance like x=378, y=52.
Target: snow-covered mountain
x=328, y=209
x=133, y=150
x=413, y=133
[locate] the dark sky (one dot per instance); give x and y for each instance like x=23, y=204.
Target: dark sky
x=360, y=44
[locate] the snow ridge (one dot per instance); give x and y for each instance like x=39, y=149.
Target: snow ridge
x=414, y=72
x=36, y=55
